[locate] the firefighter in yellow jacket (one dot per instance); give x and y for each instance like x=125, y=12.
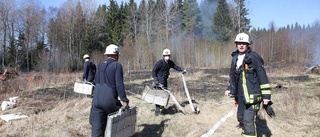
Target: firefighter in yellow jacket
x=248, y=83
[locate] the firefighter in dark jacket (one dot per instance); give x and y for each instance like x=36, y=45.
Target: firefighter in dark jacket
x=109, y=86
x=89, y=69
x=249, y=83
x=160, y=73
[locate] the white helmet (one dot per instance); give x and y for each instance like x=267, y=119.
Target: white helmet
x=166, y=52
x=242, y=37
x=112, y=50
x=86, y=56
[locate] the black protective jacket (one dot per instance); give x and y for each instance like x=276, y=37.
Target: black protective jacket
x=109, y=87
x=161, y=70
x=110, y=72
x=89, y=71
x=250, y=81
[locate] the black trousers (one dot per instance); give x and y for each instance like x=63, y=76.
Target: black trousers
x=103, y=104
x=158, y=107
x=246, y=116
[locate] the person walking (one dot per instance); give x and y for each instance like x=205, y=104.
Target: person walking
x=109, y=86
x=89, y=69
x=248, y=83
x=160, y=73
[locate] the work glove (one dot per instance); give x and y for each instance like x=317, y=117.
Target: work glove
x=155, y=81
x=269, y=109
x=160, y=85
x=184, y=71
x=125, y=105
x=227, y=93
x=235, y=100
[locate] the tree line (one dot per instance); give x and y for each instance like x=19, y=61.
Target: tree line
x=198, y=34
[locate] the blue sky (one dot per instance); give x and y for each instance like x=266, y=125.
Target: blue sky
x=283, y=12
x=261, y=12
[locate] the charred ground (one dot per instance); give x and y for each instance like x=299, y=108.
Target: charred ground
x=49, y=99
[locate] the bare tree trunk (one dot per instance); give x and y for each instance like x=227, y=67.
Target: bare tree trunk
x=4, y=43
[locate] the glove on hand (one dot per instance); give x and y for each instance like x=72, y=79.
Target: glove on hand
x=269, y=109
x=126, y=105
x=155, y=81
x=160, y=85
x=184, y=71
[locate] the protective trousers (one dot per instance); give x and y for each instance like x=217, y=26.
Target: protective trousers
x=103, y=103
x=247, y=116
x=159, y=107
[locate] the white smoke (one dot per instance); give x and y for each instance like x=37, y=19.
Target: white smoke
x=316, y=52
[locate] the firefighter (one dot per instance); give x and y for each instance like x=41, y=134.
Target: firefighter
x=109, y=86
x=160, y=73
x=89, y=69
x=249, y=83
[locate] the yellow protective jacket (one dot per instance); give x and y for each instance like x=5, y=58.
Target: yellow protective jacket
x=250, y=81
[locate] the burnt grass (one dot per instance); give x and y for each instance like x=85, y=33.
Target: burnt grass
x=207, y=87
x=45, y=99
x=210, y=86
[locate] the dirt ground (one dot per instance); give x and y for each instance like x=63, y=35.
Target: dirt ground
x=55, y=110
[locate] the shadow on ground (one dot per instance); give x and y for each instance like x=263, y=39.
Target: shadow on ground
x=262, y=128
x=152, y=130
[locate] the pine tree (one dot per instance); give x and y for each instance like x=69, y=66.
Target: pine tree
x=208, y=8
x=222, y=26
x=150, y=19
x=98, y=36
x=113, y=24
x=142, y=17
x=243, y=23
x=191, y=19
x=131, y=19
x=123, y=21
x=11, y=53
x=176, y=7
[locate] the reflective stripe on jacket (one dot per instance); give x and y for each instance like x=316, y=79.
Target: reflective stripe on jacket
x=252, y=78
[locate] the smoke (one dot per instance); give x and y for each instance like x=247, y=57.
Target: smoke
x=316, y=48
x=208, y=8
x=316, y=51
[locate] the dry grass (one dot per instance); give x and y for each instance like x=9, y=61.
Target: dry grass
x=296, y=106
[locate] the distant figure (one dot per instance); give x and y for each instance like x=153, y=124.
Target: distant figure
x=89, y=69
x=248, y=83
x=109, y=86
x=160, y=73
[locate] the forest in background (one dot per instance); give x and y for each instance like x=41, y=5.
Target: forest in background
x=199, y=35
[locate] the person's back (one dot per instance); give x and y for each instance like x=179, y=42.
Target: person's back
x=89, y=69
x=109, y=82
x=109, y=86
